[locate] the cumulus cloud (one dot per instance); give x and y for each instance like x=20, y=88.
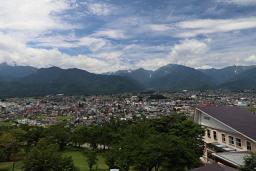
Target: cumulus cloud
x=189, y=52
x=39, y=15
x=208, y=26
x=251, y=58
x=14, y=51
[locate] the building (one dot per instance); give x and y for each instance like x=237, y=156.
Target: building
x=214, y=167
x=230, y=133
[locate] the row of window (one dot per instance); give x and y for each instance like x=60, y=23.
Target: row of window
x=231, y=140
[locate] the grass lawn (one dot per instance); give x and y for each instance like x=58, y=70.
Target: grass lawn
x=6, y=123
x=41, y=116
x=63, y=118
x=7, y=166
x=77, y=156
x=80, y=161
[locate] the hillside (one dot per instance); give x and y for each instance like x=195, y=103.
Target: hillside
x=220, y=76
x=70, y=81
x=244, y=80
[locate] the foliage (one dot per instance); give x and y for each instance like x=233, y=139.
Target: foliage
x=10, y=143
x=45, y=157
x=249, y=163
x=172, y=143
x=167, y=143
x=61, y=133
x=91, y=159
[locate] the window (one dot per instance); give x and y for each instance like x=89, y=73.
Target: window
x=208, y=133
x=215, y=135
x=223, y=137
x=231, y=140
x=238, y=142
x=249, y=145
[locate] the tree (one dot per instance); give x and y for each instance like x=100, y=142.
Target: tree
x=91, y=159
x=249, y=163
x=11, y=142
x=61, y=133
x=169, y=143
x=45, y=157
x=80, y=135
x=33, y=135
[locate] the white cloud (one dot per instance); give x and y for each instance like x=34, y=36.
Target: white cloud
x=204, y=67
x=208, y=26
x=15, y=51
x=94, y=44
x=251, y=58
x=159, y=27
x=112, y=34
x=188, y=48
x=239, y=2
x=71, y=41
x=189, y=52
x=39, y=15
x=100, y=9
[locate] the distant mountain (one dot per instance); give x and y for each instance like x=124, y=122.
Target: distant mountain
x=141, y=75
x=68, y=81
x=179, y=77
x=171, y=76
x=243, y=81
x=29, y=81
x=220, y=76
x=8, y=72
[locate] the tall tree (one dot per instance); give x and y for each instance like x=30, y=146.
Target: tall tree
x=91, y=159
x=45, y=157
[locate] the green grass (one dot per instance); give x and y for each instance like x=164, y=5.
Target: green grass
x=80, y=161
x=78, y=158
x=7, y=166
x=6, y=123
x=63, y=118
x=42, y=116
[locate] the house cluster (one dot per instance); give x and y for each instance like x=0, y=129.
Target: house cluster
x=98, y=109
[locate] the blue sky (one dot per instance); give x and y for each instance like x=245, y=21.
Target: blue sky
x=108, y=35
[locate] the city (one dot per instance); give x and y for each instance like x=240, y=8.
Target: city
x=98, y=109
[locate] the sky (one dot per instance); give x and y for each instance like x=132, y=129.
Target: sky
x=109, y=35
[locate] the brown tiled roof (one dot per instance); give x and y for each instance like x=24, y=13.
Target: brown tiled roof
x=237, y=118
x=214, y=167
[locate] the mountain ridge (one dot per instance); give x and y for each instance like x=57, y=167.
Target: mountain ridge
x=29, y=81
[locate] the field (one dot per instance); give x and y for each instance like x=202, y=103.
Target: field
x=7, y=166
x=5, y=123
x=80, y=161
x=78, y=158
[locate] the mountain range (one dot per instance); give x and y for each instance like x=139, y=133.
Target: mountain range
x=177, y=77
x=30, y=81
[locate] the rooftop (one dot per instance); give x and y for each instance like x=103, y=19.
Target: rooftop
x=237, y=118
x=235, y=158
x=214, y=167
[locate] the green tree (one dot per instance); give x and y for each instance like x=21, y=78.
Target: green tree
x=91, y=159
x=61, y=133
x=80, y=135
x=11, y=142
x=45, y=157
x=249, y=163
